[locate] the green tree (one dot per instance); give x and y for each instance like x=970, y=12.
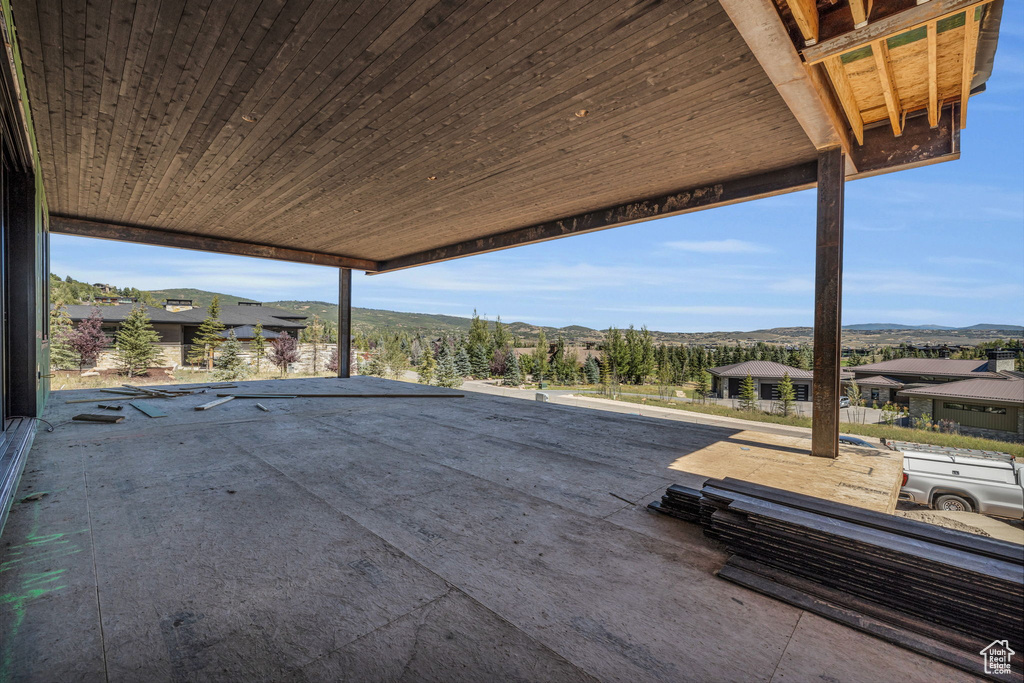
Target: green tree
x=479, y=363
x=463, y=364
x=258, y=345
x=540, y=358
x=513, y=373
x=502, y=339
x=703, y=385
x=427, y=365
x=208, y=339
x=592, y=370
x=62, y=356
x=748, y=394
x=446, y=376
x=787, y=395
x=315, y=333
x=231, y=366
x=135, y=343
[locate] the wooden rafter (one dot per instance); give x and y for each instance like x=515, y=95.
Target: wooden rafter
x=885, y=27
x=844, y=91
x=861, y=10
x=971, y=27
x=805, y=13
x=883, y=65
x=933, y=74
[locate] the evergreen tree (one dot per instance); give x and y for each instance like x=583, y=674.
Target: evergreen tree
x=787, y=395
x=231, y=366
x=87, y=339
x=258, y=346
x=62, y=356
x=135, y=343
x=427, y=365
x=591, y=370
x=480, y=364
x=314, y=334
x=513, y=373
x=463, y=366
x=502, y=339
x=208, y=339
x=703, y=384
x=748, y=394
x=284, y=350
x=445, y=375
x=540, y=358
x=478, y=333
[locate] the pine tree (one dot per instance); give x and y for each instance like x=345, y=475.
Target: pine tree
x=463, y=365
x=427, y=365
x=62, y=356
x=208, y=338
x=787, y=395
x=593, y=372
x=135, y=343
x=480, y=363
x=748, y=394
x=258, y=345
x=703, y=385
x=284, y=350
x=231, y=366
x=87, y=339
x=502, y=339
x=446, y=376
x=513, y=373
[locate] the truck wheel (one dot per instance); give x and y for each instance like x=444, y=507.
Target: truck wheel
x=953, y=503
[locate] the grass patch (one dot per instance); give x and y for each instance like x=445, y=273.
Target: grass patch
x=877, y=431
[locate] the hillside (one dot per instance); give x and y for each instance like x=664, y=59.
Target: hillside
x=368, y=319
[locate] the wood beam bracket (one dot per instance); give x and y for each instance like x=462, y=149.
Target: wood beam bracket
x=66, y=225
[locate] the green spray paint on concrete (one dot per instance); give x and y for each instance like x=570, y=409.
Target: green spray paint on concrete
x=30, y=585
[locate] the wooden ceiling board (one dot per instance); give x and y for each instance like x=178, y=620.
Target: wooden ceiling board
x=387, y=128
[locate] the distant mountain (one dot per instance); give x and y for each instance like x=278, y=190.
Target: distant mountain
x=898, y=326
x=1018, y=329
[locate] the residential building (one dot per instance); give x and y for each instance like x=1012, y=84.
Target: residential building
x=992, y=408
x=726, y=379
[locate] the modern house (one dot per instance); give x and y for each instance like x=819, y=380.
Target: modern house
x=177, y=323
x=992, y=408
x=726, y=379
x=887, y=380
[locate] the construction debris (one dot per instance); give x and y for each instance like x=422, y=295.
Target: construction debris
x=108, y=419
x=110, y=406
x=147, y=409
x=939, y=592
x=263, y=407
x=215, y=403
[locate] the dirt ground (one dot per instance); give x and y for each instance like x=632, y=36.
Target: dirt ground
x=971, y=522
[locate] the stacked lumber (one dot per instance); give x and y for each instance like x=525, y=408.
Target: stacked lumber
x=944, y=593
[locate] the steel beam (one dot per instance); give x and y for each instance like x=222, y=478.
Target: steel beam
x=684, y=201
x=163, y=238
x=344, y=322
x=828, y=301
x=23, y=317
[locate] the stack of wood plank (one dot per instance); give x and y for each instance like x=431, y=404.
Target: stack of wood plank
x=941, y=592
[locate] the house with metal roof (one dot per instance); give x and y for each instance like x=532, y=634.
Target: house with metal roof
x=727, y=379
x=992, y=408
x=884, y=381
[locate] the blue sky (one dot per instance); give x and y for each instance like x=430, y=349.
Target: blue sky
x=942, y=244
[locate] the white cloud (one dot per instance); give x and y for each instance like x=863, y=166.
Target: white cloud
x=729, y=246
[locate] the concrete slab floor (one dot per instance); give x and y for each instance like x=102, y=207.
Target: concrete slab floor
x=462, y=539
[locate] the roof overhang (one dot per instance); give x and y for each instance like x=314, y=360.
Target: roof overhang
x=426, y=132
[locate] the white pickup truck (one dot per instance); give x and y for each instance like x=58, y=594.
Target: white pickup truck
x=962, y=480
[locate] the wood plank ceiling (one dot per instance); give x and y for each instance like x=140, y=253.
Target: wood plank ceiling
x=378, y=129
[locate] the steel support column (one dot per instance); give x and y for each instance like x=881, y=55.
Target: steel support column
x=344, y=322
x=828, y=302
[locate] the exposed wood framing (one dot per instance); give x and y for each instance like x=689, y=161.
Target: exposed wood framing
x=933, y=74
x=805, y=12
x=836, y=72
x=971, y=27
x=685, y=201
x=828, y=297
x=880, y=49
x=916, y=16
x=766, y=36
x=162, y=238
x=861, y=10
